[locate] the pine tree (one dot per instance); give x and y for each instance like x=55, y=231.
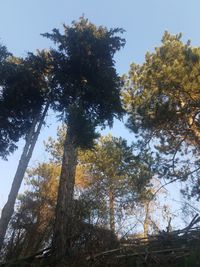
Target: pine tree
x=24, y=102
x=87, y=94
x=162, y=99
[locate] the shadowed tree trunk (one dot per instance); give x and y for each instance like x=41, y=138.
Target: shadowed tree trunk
x=112, y=211
x=87, y=95
x=146, y=219
x=65, y=203
x=31, y=139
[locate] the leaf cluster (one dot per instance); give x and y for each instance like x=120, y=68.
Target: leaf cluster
x=86, y=87
x=162, y=94
x=23, y=92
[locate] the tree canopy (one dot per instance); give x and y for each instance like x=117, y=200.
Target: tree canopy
x=85, y=83
x=90, y=182
x=163, y=102
x=24, y=91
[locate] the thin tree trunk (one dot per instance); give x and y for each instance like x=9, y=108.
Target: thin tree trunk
x=63, y=229
x=194, y=129
x=31, y=139
x=146, y=220
x=112, y=211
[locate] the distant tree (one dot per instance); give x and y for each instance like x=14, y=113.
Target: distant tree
x=151, y=211
x=117, y=175
x=163, y=103
x=87, y=94
x=111, y=163
x=31, y=226
x=110, y=177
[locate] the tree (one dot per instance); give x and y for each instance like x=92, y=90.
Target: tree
x=87, y=93
x=111, y=163
x=117, y=175
x=32, y=224
x=163, y=102
x=23, y=92
x=151, y=209
x=112, y=177
x=6, y=144
x=24, y=101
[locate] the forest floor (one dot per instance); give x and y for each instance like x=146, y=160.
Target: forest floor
x=180, y=248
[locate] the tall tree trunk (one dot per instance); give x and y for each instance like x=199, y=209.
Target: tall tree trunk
x=65, y=203
x=31, y=139
x=146, y=220
x=112, y=211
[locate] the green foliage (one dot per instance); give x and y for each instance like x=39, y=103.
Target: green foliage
x=31, y=225
x=163, y=93
x=116, y=177
x=55, y=147
x=112, y=161
x=111, y=166
x=162, y=99
x=23, y=92
x=86, y=87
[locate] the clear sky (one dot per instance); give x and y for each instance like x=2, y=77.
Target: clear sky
x=22, y=21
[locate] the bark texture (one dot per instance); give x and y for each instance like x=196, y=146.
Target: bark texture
x=112, y=211
x=146, y=220
x=31, y=139
x=63, y=230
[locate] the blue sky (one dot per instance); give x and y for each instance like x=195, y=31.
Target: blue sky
x=22, y=21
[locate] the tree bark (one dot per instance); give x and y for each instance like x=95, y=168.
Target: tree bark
x=112, y=211
x=63, y=229
x=194, y=129
x=31, y=139
x=146, y=220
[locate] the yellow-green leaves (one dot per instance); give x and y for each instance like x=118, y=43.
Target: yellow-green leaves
x=164, y=92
